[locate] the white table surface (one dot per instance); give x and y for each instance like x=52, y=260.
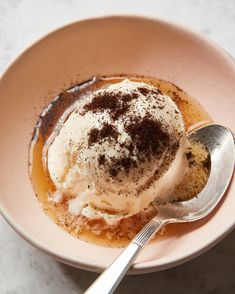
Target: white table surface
x=24, y=269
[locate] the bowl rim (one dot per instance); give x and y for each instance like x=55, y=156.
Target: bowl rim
x=143, y=267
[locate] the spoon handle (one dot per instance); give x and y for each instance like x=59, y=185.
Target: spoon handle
x=108, y=281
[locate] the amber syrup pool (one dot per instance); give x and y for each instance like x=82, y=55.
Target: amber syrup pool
x=193, y=114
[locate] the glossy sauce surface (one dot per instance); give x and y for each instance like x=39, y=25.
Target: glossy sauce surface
x=193, y=114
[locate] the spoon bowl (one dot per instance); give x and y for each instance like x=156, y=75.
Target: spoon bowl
x=219, y=142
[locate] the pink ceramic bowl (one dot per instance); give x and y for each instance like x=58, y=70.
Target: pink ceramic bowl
x=106, y=46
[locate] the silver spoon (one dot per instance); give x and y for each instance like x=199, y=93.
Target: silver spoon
x=220, y=144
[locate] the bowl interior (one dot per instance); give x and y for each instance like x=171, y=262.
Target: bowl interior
x=106, y=46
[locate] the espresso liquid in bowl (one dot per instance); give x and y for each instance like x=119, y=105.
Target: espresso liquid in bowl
x=194, y=180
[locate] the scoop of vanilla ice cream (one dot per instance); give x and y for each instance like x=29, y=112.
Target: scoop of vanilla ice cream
x=118, y=150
